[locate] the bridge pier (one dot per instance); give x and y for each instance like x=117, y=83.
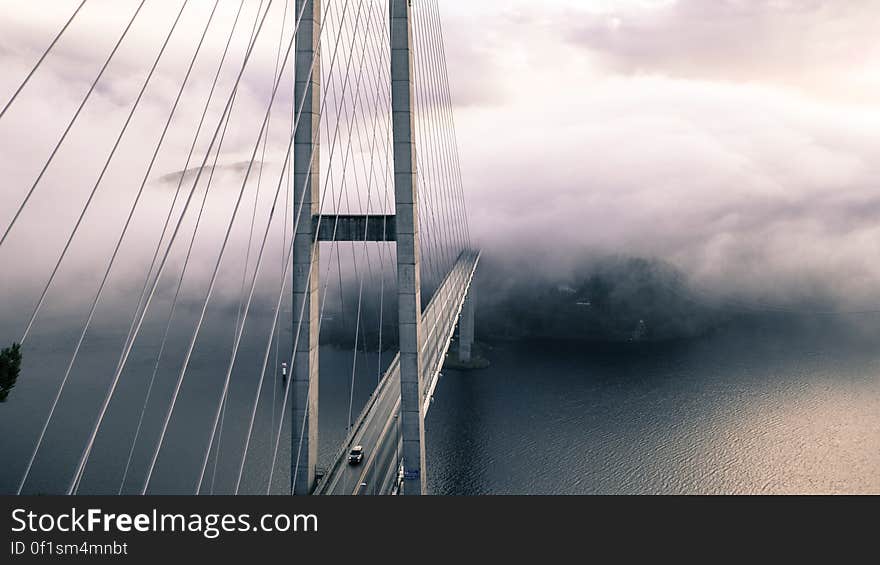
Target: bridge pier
x=466, y=327
x=412, y=421
x=306, y=190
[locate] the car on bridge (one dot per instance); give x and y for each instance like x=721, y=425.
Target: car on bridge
x=356, y=455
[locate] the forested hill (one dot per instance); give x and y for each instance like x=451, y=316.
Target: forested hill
x=612, y=299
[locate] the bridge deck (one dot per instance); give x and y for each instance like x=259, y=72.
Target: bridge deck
x=376, y=427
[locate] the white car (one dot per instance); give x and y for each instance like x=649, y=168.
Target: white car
x=356, y=455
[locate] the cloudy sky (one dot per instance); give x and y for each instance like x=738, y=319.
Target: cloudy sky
x=736, y=139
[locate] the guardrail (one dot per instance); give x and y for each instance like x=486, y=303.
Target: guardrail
x=461, y=272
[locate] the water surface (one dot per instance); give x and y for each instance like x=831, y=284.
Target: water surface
x=763, y=409
x=752, y=410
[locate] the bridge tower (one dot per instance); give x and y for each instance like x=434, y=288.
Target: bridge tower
x=408, y=279
x=306, y=189
x=403, y=228
x=466, y=327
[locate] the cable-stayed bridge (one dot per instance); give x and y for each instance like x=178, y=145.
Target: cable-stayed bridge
x=278, y=184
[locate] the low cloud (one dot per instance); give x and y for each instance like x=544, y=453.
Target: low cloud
x=748, y=189
x=728, y=139
x=693, y=133
x=818, y=45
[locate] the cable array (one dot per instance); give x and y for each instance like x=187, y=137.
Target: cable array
x=221, y=244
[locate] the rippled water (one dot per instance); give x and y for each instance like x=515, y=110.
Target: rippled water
x=755, y=410
x=746, y=411
x=186, y=441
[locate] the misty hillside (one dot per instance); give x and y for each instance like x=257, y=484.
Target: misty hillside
x=613, y=299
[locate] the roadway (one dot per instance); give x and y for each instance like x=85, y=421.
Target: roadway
x=376, y=429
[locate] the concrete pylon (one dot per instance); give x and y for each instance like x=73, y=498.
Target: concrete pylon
x=306, y=189
x=406, y=202
x=466, y=327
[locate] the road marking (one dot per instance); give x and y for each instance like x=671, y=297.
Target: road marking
x=361, y=426
x=379, y=442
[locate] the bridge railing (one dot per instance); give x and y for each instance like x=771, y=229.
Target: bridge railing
x=445, y=305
